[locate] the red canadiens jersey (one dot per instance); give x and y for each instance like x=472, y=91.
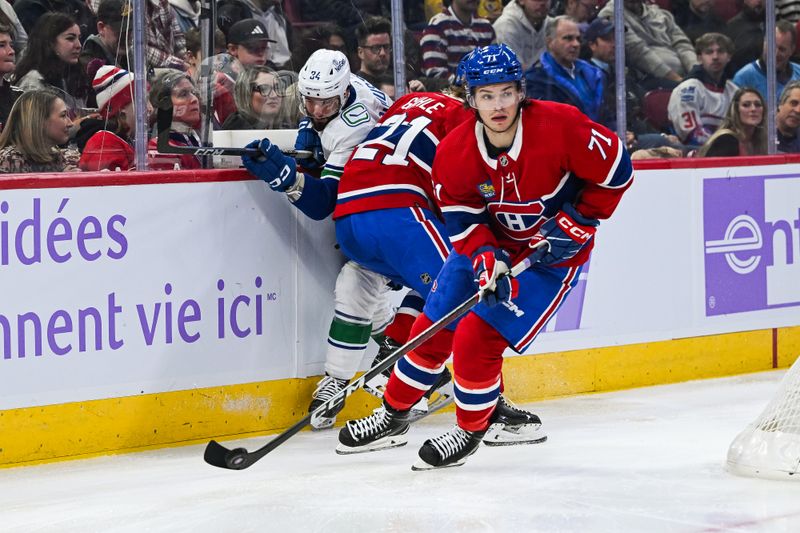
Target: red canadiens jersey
x=558, y=155
x=392, y=166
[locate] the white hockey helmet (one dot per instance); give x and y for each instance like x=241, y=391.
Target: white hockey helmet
x=326, y=74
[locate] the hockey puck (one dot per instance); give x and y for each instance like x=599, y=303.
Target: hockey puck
x=236, y=458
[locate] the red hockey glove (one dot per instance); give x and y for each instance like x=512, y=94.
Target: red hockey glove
x=489, y=265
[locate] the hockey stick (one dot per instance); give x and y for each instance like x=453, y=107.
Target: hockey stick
x=164, y=122
x=239, y=458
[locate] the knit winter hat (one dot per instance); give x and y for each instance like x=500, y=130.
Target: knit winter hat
x=114, y=88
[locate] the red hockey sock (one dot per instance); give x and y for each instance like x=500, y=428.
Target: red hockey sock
x=418, y=370
x=400, y=327
x=477, y=364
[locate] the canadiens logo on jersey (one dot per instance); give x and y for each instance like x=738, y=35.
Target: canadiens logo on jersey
x=519, y=221
x=486, y=189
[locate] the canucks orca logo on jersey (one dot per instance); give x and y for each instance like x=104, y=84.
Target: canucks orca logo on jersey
x=519, y=221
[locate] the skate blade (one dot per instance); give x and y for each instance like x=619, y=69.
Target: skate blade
x=422, y=466
x=393, y=441
x=420, y=410
x=501, y=436
x=377, y=385
x=375, y=391
x=322, y=423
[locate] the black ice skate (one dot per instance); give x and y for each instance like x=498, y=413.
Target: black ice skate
x=377, y=385
x=384, y=428
x=510, y=425
x=438, y=396
x=326, y=389
x=450, y=449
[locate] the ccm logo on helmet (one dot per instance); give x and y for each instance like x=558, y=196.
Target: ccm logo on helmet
x=569, y=227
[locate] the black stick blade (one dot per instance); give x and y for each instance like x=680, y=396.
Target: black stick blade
x=218, y=455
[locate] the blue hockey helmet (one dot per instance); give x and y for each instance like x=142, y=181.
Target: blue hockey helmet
x=496, y=63
x=461, y=69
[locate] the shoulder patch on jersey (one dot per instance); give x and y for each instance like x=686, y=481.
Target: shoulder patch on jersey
x=486, y=189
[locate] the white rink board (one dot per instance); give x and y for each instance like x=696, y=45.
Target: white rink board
x=650, y=279
x=189, y=236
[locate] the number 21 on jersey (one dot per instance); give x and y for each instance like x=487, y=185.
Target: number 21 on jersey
x=397, y=136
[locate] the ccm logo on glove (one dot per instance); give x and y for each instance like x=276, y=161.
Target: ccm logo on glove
x=570, y=228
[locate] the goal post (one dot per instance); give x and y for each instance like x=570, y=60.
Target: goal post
x=770, y=446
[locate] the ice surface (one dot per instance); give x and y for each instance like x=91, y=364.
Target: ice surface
x=645, y=460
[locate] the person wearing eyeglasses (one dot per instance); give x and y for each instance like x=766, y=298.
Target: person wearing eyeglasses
x=175, y=88
x=375, y=52
x=743, y=132
x=260, y=100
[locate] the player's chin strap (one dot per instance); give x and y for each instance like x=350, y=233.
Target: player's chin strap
x=239, y=458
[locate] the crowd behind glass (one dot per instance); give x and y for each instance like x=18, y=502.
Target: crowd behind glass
x=695, y=75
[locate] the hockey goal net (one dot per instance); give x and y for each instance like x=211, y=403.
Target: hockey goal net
x=770, y=446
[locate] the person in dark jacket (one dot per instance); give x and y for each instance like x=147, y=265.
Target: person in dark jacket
x=746, y=30
x=559, y=76
x=106, y=45
x=8, y=93
x=29, y=11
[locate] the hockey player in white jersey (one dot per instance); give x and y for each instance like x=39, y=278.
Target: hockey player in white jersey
x=698, y=105
x=341, y=110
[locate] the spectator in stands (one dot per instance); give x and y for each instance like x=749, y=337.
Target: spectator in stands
x=107, y=143
x=347, y=14
x=8, y=93
x=186, y=14
x=788, y=10
x=106, y=45
x=450, y=35
x=743, y=132
x=754, y=74
x=746, y=30
x=522, y=26
x=259, y=95
x=698, y=18
x=278, y=28
x=374, y=48
x=654, y=44
x=270, y=14
x=29, y=12
x=584, y=11
x=51, y=60
x=374, y=38
x=8, y=17
x=328, y=36
x=166, y=46
x=194, y=52
x=386, y=84
x=37, y=125
x=639, y=134
x=561, y=77
x=788, y=118
x=249, y=42
x=698, y=105
x=173, y=88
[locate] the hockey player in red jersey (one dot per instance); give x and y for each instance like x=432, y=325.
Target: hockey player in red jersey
x=519, y=173
x=387, y=220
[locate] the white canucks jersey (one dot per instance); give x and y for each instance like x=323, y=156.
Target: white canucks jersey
x=356, y=119
x=697, y=109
